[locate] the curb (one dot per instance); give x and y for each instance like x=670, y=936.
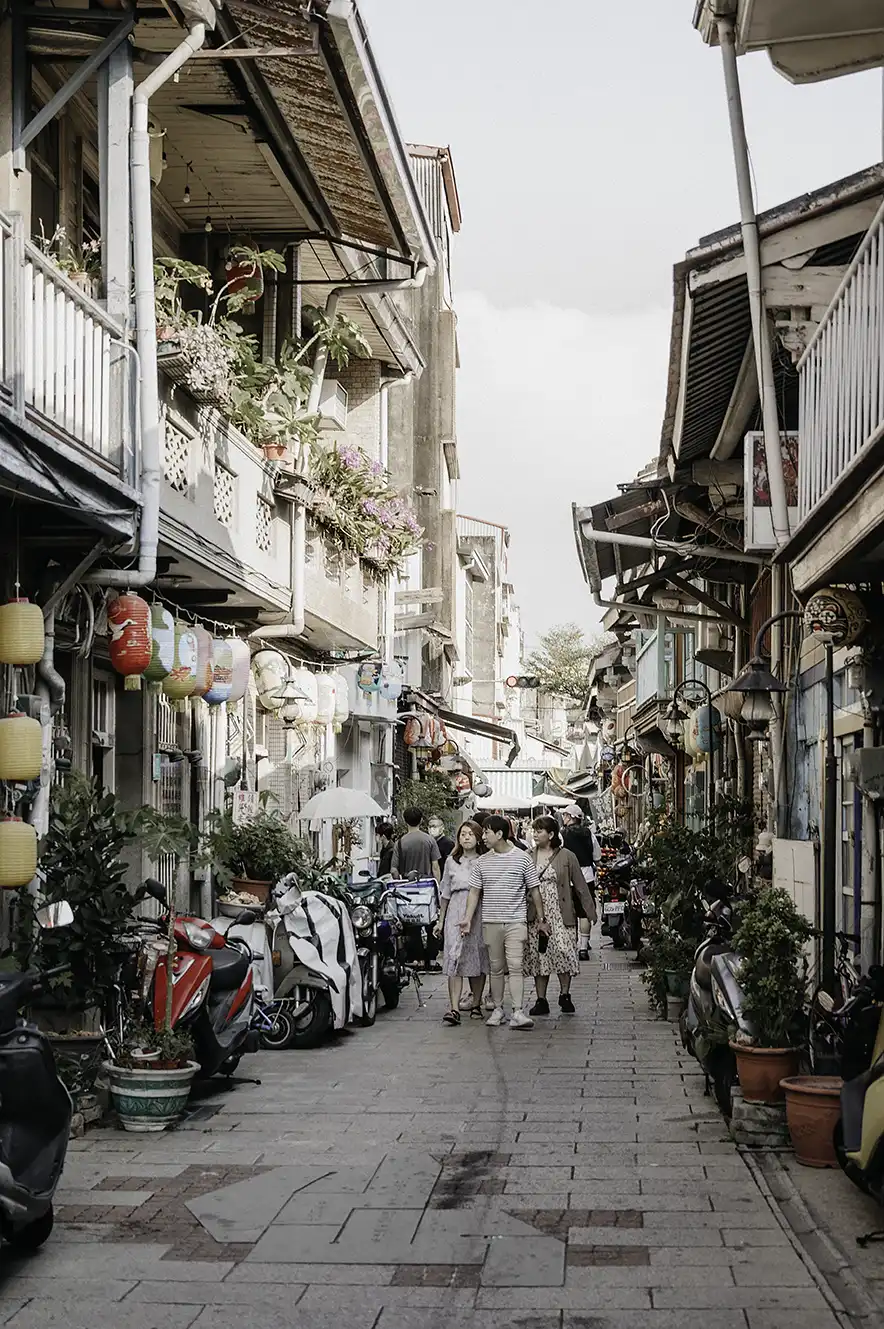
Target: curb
x=845, y=1291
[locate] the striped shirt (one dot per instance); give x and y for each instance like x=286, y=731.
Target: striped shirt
x=504, y=880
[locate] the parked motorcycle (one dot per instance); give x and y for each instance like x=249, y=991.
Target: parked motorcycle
x=381, y=939
x=613, y=891
x=213, y=994
x=316, y=970
x=859, y=1135
x=714, y=1008
x=35, y=1107
x=639, y=907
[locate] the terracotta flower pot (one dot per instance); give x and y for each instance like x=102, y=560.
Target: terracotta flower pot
x=274, y=451
x=813, y=1108
x=761, y=1070
x=260, y=889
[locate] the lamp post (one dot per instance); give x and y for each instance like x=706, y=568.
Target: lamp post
x=674, y=722
x=756, y=682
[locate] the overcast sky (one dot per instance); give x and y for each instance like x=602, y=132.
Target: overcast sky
x=591, y=146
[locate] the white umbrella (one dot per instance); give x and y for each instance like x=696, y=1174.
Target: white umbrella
x=340, y=804
x=551, y=801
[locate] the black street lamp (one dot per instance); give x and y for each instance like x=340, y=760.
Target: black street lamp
x=756, y=682
x=674, y=718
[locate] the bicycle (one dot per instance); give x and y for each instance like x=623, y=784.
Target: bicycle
x=824, y=1034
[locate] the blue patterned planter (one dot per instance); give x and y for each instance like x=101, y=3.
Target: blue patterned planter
x=148, y=1100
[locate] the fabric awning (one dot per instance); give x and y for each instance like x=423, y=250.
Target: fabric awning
x=476, y=724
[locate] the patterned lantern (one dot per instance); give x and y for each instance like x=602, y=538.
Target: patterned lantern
x=21, y=747
x=391, y=681
x=181, y=679
x=162, y=635
x=836, y=615
x=271, y=671
x=222, y=672
x=411, y=735
x=18, y=853
x=369, y=677
x=325, y=699
x=21, y=633
x=131, y=643
x=706, y=727
x=203, y=661
x=240, y=669
x=342, y=698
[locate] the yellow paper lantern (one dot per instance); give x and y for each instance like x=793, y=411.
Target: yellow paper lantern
x=21, y=633
x=18, y=853
x=21, y=747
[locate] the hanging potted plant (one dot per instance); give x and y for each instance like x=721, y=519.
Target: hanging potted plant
x=81, y=264
x=770, y=942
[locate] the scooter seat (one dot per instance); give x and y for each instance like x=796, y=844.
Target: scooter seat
x=229, y=968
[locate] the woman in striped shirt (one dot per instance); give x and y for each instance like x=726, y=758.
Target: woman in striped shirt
x=503, y=880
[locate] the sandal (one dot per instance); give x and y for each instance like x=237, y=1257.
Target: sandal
x=451, y=1017
x=476, y=1013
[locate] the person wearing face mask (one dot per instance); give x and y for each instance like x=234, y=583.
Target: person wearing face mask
x=444, y=842
x=464, y=956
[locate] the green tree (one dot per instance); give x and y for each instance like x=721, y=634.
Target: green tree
x=563, y=659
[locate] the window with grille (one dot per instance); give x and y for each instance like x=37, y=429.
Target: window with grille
x=468, y=625
x=264, y=525
x=176, y=454
x=224, y=481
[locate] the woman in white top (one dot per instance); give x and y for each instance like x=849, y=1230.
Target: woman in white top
x=464, y=956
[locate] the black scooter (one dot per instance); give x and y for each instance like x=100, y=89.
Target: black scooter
x=35, y=1107
x=381, y=941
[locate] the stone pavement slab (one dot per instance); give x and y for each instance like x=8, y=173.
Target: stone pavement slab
x=570, y=1177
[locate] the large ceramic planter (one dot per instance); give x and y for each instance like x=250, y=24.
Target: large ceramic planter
x=260, y=889
x=149, y=1100
x=813, y=1109
x=761, y=1070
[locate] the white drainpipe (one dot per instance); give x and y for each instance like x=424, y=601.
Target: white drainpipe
x=146, y=320
x=295, y=627
x=752, y=253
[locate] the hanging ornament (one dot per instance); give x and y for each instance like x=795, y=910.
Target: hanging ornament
x=369, y=677
x=21, y=747
x=203, y=661
x=271, y=672
x=162, y=636
x=131, y=644
x=391, y=681
x=342, y=698
x=706, y=728
x=835, y=614
x=21, y=633
x=179, y=683
x=308, y=689
x=222, y=672
x=240, y=670
x=18, y=853
x=325, y=699
x=411, y=736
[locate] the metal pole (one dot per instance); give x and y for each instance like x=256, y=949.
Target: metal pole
x=752, y=254
x=830, y=826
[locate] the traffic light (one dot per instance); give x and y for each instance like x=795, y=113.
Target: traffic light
x=523, y=681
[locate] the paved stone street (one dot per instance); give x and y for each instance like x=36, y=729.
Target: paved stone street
x=413, y=1176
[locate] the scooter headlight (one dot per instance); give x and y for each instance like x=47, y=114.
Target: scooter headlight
x=199, y=935
x=362, y=918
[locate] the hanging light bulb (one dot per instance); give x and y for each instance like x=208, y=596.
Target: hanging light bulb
x=187, y=182
x=208, y=225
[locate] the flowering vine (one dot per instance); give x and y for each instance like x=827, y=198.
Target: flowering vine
x=357, y=505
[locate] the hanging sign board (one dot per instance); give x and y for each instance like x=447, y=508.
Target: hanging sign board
x=759, y=533
x=245, y=805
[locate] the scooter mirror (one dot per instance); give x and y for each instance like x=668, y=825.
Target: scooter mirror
x=245, y=917
x=363, y=873
x=57, y=915
x=155, y=889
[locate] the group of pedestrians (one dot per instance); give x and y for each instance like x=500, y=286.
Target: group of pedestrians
x=509, y=914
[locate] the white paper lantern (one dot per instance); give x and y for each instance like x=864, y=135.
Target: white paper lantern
x=391, y=681
x=271, y=673
x=308, y=699
x=342, y=698
x=239, y=677
x=325, y=698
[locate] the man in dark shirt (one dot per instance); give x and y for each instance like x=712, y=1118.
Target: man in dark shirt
x=578, y=837
x=385, y=837
x=416, y=851
x=444, y=842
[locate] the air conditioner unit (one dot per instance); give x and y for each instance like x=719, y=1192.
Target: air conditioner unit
x=333, y=405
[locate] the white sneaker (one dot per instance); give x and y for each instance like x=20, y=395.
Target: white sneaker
x=489, y=1003
x=496, y=1017
x=520, y=1020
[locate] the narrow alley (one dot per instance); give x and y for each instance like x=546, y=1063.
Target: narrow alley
x=413, y=1176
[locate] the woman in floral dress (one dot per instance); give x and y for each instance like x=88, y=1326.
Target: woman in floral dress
x=560, y=882
x=463, y=957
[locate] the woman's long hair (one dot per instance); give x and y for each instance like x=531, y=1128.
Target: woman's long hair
x=549, y=824
x=457, y=851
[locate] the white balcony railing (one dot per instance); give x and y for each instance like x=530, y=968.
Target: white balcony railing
x=842, y=375
x=63, y=364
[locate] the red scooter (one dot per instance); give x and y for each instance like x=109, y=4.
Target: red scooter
x=212, y=992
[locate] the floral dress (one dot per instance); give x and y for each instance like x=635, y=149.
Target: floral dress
x=464, y=956
x=560, y=956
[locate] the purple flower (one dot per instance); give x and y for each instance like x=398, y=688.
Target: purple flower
x=370, y=507
x=376, y=468
x=350, y=458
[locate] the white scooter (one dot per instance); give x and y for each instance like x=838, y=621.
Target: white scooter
x=315, y=963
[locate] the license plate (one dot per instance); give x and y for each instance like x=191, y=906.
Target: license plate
x=613, y=909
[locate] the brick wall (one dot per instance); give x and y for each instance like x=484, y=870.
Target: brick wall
x=362, y=379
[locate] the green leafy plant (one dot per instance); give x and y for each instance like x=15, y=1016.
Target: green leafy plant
x=770, y=940
x=358, y=507
x=260, y=849
x=73, y=260
x=175, y=1048
x=666, y=952
x=82, y=863
x=563, y=660
x=433, y=795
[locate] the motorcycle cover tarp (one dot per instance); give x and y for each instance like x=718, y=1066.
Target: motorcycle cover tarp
x=321, y=935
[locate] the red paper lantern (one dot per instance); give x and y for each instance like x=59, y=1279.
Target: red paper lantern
x=131, y=644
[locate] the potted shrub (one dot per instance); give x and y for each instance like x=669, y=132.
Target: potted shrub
x=770, y=940
x=251, y=855
x=81, y=264
x=813, y=1110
